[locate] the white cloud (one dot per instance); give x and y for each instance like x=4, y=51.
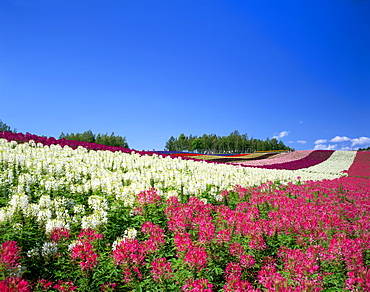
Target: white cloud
x=320, y=141
x=281, y=134
x=301, y=141
x=346, y=148
x=340, y=139
x=325, y=147
x=360, y=141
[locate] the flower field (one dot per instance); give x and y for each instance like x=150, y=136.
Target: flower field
x=78, y=216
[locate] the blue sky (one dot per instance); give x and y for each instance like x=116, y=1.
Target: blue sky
x=147, y=70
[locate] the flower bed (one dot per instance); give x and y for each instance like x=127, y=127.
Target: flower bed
x=360, y=167
x=315, y=157
x=310, y=236
x=80, y=220
x=278, y=159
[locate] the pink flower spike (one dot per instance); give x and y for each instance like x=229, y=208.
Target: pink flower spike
x=16, y=284
x=9, y=255
x=45, y=284
x=65, y=286
x=161, y=269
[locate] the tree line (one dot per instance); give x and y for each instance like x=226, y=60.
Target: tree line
x=5, y=128
x=104, y=139
x=234, y=143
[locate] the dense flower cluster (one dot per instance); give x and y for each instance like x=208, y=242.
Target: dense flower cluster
x=151, y=222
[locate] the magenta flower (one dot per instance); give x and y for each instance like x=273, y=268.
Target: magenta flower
x=89, y=235
x=236, y=249
x=161, y=269
x=84, y=253
x=183, y=242
x=16, y=284
x=149, y=197
x=233, y=272
x=239, y=286
x=129, y=254
x=196, y=257
x=65, y=286
x=60, y=234
x=45, y=284
x=156, y=239
x=9, y=255
x=83, y=250
x=198, y=285
x=247, y=261
x=107, y=287
x=223, y=235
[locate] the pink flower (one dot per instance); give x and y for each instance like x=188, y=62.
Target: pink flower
x=130, y=254
x=60, y=234
x=183, y=242
x=224, y=235
x=65, y=286
x=198, y=285
x=239, y=286
x=107, y=287
x=156, y=239
x=236, y=249
x=257, y=242
x=233, y=272
x=247, y=261
x=161, y=269
x=83, y=251
x=45, y=284
x=196, y=257
x=9, y=255
x=16, y=284
x=149, y=197
x=89, y=235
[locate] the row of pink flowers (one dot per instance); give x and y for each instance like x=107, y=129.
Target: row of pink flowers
x=361, y=166
x=278, y=159
x=313, y=158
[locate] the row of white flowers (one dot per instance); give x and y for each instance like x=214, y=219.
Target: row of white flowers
x=37, y=176
x=336, y=163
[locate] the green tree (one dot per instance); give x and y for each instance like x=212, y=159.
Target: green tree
x=234, y=143
x=171, y=144
x=196, y=144
x=5, y=128
x=89, y=136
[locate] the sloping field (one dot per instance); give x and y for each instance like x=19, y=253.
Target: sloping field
x=80, y=216
x=279, y=158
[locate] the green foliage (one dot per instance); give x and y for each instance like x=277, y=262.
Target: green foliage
x=364, y=149
x=234, y=143
x=104, y=139
x=5, y=128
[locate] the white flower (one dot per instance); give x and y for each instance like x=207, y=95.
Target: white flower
x=79, y=209
x=45, y=201
x=94, y=220
x=49, y=249
x=98, y=203
x=33, y=253
x=55, y=223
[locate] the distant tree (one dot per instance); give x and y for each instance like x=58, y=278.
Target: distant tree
x=5, y=128
x=171, y=144
x=234, y=143
x=89, y=136
x=364, y=149
x=196, y=144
